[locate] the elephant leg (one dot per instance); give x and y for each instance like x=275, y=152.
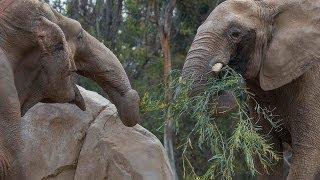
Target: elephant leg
x=304, y=164
x=305, y=132
x=305, y=157
x=10, y=118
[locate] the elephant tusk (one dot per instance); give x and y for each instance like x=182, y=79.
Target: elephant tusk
x=217, y=67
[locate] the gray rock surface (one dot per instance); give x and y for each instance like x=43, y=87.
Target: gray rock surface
x=62, y=142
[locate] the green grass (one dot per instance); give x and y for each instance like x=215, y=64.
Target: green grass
x=210, y=147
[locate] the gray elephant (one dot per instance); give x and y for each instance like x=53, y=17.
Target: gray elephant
x=275, y=45
x=39, y=50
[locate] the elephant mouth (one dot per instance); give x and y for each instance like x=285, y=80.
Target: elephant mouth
x=73, y=97
x=78, y=99
x=222, y=102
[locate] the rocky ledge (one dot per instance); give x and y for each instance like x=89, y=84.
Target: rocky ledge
x=62, y=142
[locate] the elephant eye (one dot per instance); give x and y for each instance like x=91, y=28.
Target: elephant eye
x=59, y=47
x=235, y=34
x=80, y=35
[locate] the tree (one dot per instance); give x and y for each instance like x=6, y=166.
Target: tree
x=58, y=5
x=73, y=9
x=112, y=18
x=102, y=18
x=165, y=26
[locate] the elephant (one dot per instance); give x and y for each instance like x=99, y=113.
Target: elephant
x=40, y=50
x=275, y=46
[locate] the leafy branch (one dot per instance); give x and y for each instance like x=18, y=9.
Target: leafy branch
x=231, y=141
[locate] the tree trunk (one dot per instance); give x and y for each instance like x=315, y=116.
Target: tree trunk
x=165, y=24
x=73, y=9
x=168, y=130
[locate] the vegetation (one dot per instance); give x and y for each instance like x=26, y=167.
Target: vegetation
x=224, y=145
x=205, y=147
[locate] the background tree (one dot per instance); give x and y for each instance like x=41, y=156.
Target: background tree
x=164, y=28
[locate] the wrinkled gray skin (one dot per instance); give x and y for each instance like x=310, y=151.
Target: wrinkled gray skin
x=275, y=45
x=39, y=50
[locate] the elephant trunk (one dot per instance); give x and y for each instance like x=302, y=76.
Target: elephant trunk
x=205, y=59
x=123, y=97
x=196, y=70
x=127, y=105
x=111, y=76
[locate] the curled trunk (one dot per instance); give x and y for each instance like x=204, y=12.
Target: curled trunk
x=99, y=64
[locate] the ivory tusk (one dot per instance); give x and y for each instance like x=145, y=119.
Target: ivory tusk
x=217, y=67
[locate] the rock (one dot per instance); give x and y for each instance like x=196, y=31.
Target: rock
x=62, y=142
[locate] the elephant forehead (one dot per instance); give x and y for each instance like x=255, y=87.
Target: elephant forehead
x=21, y=14
x=245, y=13
x=219, y=24
x=210, y=25
x=236, y=6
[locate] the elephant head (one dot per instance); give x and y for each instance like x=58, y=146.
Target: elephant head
x=57, y=65
x=269, y=42
x=95, y=61
x=51, y=81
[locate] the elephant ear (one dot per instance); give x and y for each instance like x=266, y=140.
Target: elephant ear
x=294, y=48
x=49, y=35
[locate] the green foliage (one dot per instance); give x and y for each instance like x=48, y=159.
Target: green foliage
x=224, y=146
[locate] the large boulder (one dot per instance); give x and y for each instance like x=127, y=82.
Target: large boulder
x=62, y=142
